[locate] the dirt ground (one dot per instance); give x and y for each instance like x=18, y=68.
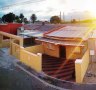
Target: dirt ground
x=12, y=78
x=90, y=76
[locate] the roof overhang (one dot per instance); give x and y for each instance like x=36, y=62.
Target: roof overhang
x=57, y=42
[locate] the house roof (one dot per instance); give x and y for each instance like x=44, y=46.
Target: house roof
x=42, y=28
x=37, y=30
x=56, y=42
x=70, y=32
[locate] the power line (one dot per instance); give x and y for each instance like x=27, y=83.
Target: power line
x=20, y=3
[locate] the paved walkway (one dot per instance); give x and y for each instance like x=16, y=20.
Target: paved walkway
x=12, y=78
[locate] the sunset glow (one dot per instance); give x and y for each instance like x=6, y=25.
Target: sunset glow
x=79, y=9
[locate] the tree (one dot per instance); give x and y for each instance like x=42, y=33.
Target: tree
x=10, y=17
x=73, y=21
x=17, y=19
x=4, y=18
x=25, y=20
x=33, y=18
x=21, y=17
x=55, y=19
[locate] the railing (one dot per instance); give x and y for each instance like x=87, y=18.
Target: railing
x=10, y=36
x=81, y=66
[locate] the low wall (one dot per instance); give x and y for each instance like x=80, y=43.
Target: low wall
x=30, y=59
x=10, y=36
x=35, y=49
x=15, y=50
x=6, y=43
x=81, y=66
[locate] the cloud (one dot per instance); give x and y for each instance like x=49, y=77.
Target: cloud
x=47, y=8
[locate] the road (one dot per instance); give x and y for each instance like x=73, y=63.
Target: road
x=13, y=78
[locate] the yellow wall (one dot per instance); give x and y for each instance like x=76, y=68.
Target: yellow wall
x=15, y=50
x=52, y=52
x=72, y=52
x=11, y=36
x=6, y=43
x=32, y=60
x=81, y=67
x=35, y=49
x=92, y=46
x=1, y=39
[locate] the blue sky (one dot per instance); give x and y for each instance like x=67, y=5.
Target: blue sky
x=44, y=9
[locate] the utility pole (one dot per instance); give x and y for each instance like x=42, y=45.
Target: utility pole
x=63, y=16
x=60, y=14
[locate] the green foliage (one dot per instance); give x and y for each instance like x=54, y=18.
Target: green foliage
x=55, y=19
x=17, y=19
x=10, y=17
x=21, y=17
x=73, y=21
x=33, y=18
x=25, y=20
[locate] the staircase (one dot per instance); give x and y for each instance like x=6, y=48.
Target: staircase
x=59, y=68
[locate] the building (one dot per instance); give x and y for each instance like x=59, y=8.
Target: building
x=65, y=45
x=32, y=31
x=10, y=27
x=68, y=42
x=62, y=53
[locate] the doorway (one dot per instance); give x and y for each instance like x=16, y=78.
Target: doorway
x=62, y=52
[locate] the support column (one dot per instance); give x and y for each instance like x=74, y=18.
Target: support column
x=78, y=71
x=21, y=42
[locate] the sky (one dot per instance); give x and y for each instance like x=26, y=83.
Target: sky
x=44, y=9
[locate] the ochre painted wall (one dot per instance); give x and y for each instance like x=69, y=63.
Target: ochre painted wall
x=6, y=43
x=52, y=52
x=35, y=49
x=92, y=46
x=32, y=60
x=81, y=67
x=15, y=50
x=73, y=52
